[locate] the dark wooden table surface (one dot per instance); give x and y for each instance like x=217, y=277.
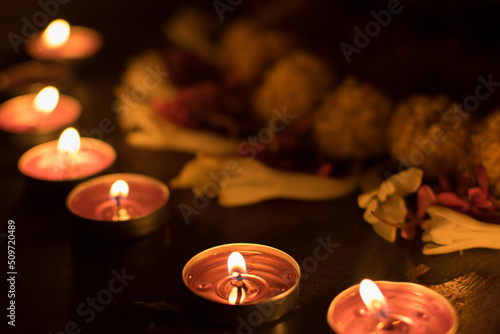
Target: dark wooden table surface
x=58, y=270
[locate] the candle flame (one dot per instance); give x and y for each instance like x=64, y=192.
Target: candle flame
x=236, y=264
x=119, y=189
x=56, y=33
x=372, y=297
x=46, y=100
x=234, y=298
x=69, y=141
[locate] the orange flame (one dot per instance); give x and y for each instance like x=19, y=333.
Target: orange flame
x=119, y=189
x=69, y=141
x=56, y=33
x=372, y=296
x=46, y=100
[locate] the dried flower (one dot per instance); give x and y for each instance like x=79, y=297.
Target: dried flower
x=449, y=231
x=474, y=200
x=385, y=207
x=429, y=133
x=298, y=82
x=486, y=148
x=239, y=181
x=352, y=121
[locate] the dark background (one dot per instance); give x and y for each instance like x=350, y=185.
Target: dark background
x=428, y=48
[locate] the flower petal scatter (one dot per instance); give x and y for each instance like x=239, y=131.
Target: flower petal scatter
x=387, y=202
x=352, y=121
x=471, y=196
x=486, y=148
x=449, y=231
x=247, y=181
x=431, y=133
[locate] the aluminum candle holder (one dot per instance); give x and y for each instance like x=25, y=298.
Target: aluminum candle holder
x=123, y=215
x=30, y=76
x=406, y=308
x=263, y=282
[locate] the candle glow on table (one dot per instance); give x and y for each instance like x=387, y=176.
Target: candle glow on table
x=30, y=76
x=39, y=113
x=391, y=307
x=230, y=280
x=69, y=158
x=119, y=205
x=60, y=41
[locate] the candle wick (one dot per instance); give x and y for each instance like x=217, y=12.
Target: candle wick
x=239, y=295
x=117, y=198
x=240, y=286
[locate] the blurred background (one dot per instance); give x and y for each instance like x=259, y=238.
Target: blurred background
x=429, y=46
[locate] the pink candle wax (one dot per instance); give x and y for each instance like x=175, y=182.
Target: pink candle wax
x=45, y=162
x=410, y=308
x=19, y=116
x=91, y=199
x=82, y=43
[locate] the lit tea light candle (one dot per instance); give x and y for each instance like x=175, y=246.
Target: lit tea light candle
x=119, y=191
x=391, y=307
x=34, y=117
x=70, y=158
x=60, y=41
x=234, y=280
x=118, y=206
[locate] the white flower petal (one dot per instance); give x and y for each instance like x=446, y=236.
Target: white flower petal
x=364, y=199
x=386, y=189
x=448, y=231
x=385, y=231
x=393, y=210
x=407, y=182
x=368, y=216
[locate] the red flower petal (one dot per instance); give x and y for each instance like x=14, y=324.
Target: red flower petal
x=482, y=178
x=425, y=199
x=452, y=200
x=464, y=182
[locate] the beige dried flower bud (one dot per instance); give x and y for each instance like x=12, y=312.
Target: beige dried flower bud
x=485, y=148
x=352, y=121
x=298, y=82
x=431, y=133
